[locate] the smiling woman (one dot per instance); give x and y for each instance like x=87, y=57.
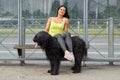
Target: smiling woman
x=58, y=27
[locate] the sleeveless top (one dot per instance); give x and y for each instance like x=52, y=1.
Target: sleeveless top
x=56, y=28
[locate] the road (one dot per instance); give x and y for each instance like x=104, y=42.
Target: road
x=98, y=46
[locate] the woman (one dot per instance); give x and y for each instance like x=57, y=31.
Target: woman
x=58, y=27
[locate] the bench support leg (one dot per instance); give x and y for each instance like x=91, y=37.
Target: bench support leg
x=22, y=62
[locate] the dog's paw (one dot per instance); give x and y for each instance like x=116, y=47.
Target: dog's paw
x=54, y=73
x=73, y=68
x=78, y=71
x=49, y=71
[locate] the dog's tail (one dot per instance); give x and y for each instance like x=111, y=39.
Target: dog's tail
x=85, y=55
x=85, y=52
x=86, y=47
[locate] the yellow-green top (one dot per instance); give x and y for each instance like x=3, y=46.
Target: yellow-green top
x=56, y=28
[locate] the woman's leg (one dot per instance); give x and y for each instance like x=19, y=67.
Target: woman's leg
x=68, y=40
x=63, y=46
x=61, y=41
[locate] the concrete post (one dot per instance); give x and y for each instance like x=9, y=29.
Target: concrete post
x=78, y=26
x=21, y=27
x=86, y=21
x=111, y=40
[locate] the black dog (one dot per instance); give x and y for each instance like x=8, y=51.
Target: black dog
x=55, y=54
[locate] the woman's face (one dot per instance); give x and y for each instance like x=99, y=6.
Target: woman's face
x=61, y=11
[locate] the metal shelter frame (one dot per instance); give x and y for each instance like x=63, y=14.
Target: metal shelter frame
x=110, y=59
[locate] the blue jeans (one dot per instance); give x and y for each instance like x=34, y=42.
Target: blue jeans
x=65, y=40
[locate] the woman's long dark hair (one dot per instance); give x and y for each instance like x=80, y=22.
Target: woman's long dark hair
x=66, y=11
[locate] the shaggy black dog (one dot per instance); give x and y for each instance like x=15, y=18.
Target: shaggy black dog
x=55, y=54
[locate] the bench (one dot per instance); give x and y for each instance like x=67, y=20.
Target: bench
x=23, y=47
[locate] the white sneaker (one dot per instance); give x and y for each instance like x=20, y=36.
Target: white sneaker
x=73, y=59
x=69, y=56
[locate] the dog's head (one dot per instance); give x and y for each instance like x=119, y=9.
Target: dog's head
x=42, y=38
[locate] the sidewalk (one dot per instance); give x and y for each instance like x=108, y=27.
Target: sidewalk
x=38, y=71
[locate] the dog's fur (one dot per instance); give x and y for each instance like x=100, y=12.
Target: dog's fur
x=55, y=54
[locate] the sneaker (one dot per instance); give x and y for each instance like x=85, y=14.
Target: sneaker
x=73, y=60
x=69, y=56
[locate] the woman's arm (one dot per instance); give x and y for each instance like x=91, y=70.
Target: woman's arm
x=66, y=25
x=48, y=24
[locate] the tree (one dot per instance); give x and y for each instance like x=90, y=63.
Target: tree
x=74, y=14
x=112, y=13
x=38, y=14
x=118, y=9
x=66, y=3
x=26, y=14
x=7, y=14
x=54, y=7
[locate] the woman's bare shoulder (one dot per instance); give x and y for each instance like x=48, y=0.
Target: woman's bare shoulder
x=66, y=19
x=50, y=18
